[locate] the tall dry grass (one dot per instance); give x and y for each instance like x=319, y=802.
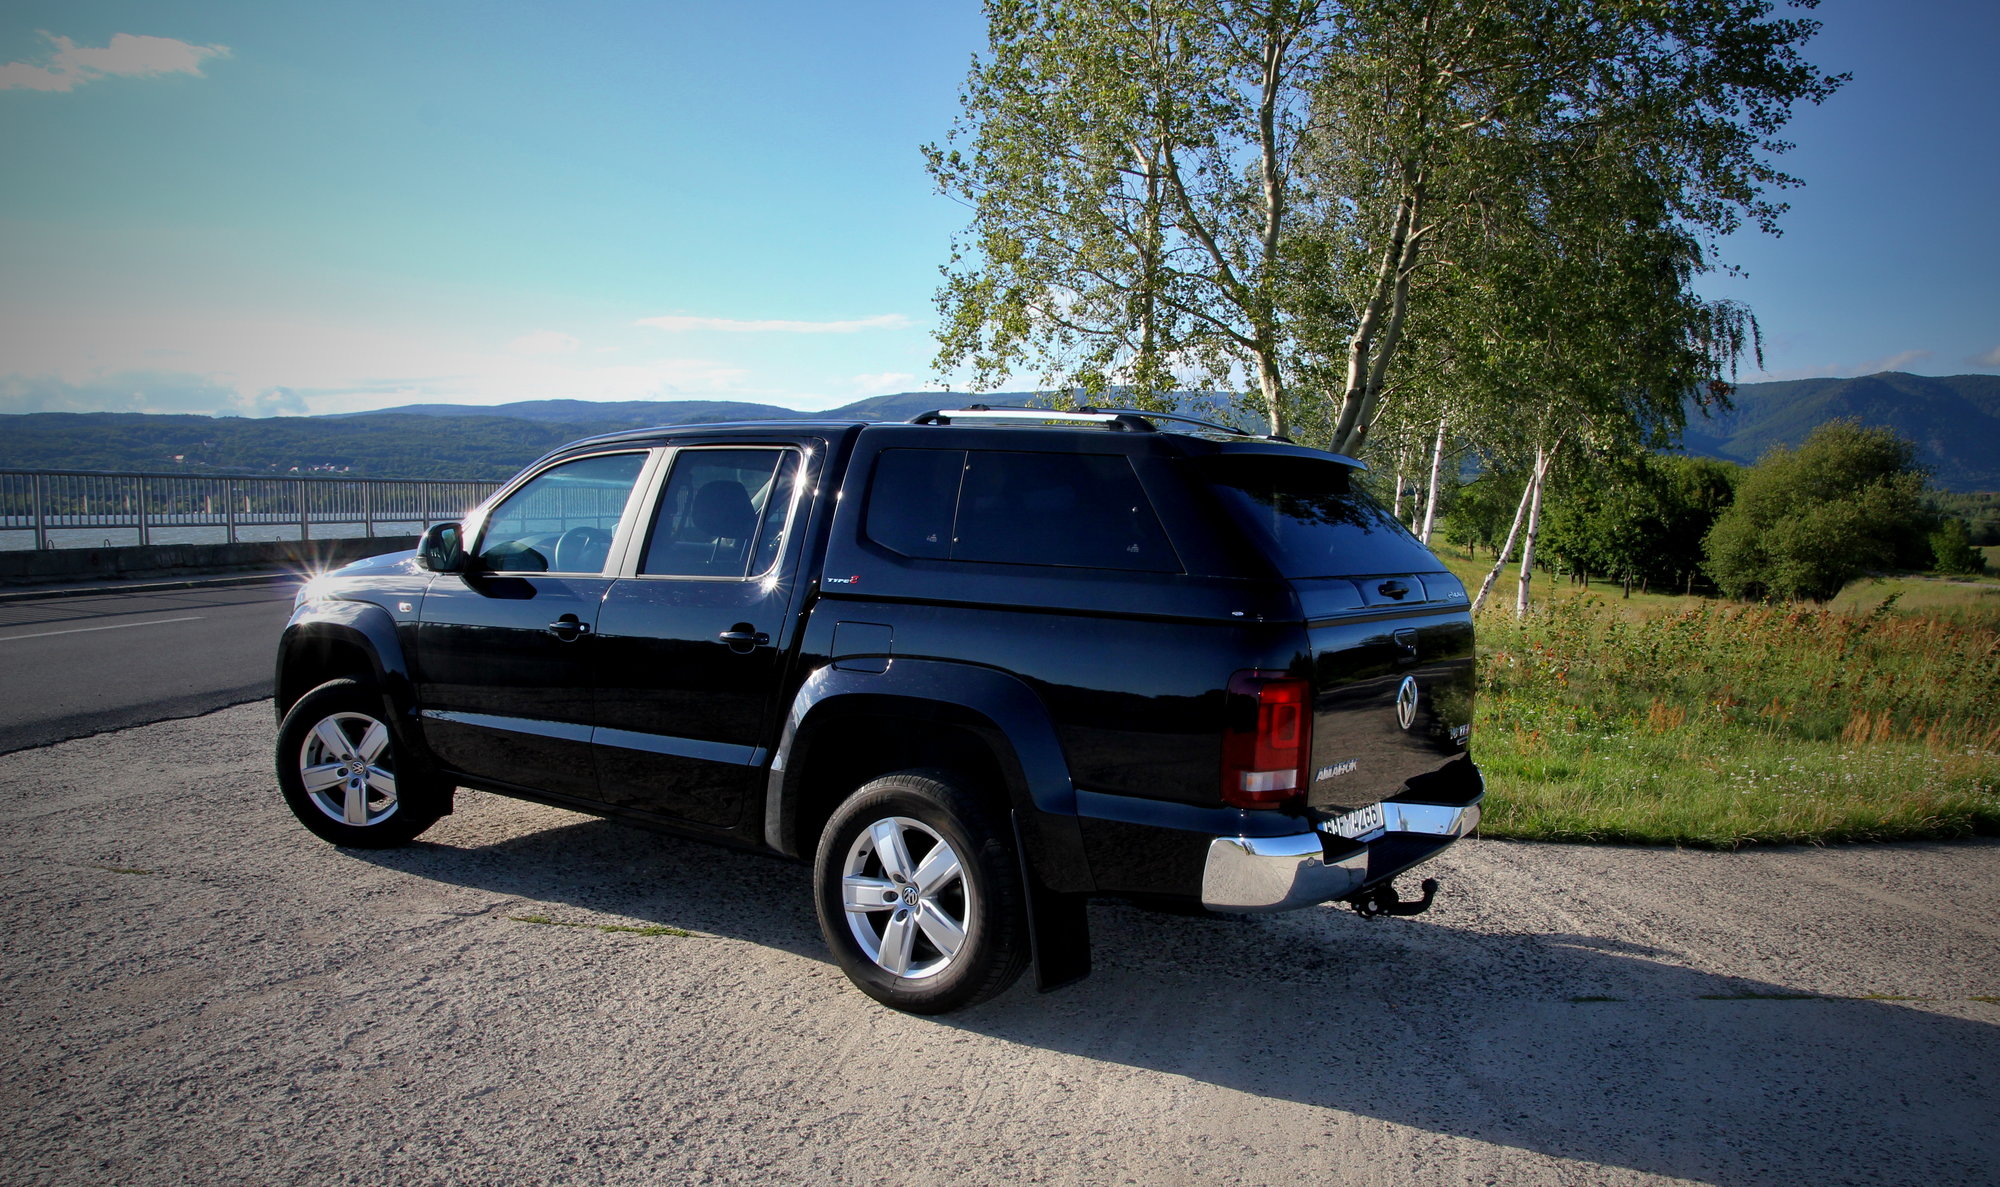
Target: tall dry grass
x=1719, y=725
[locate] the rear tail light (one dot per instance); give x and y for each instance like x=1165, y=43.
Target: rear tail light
x=1266, y=739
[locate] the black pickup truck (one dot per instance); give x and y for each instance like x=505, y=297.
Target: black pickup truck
x=975, y=668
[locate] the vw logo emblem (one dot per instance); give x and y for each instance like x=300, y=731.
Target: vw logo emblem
x=1406, y=702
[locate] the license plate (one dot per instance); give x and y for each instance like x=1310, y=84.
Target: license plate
x=1356, y=824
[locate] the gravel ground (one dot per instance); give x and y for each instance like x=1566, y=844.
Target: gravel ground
x=198, y=991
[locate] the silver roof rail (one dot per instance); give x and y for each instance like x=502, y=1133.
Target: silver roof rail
x=1125, y=420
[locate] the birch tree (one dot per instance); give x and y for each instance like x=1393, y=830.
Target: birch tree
x=1128, y=164
x=1285, y=196
x=1593, y=317
x=1429, y=113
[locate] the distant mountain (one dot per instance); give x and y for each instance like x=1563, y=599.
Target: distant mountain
x=641, y=413
x=647, y=413
x=1953, y=419
x=415, y=441
x=375, y=445
x=904, y=405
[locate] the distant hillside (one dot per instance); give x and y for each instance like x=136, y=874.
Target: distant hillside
x=1954, y=420
x=415, y=441
x=640, y=413
x=377, y=445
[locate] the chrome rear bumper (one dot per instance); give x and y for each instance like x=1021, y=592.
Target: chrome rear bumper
x=1280, y=873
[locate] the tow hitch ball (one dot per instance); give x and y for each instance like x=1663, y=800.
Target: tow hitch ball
x=1383, y=900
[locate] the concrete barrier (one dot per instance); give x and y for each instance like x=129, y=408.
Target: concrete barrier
x=150, y=561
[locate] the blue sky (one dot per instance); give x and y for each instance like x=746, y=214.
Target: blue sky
x=272, y=208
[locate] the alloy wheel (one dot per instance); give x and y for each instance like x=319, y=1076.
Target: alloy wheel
x=348, y=770
x=906, y=896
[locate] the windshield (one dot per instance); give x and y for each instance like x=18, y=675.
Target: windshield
x=1307, y=516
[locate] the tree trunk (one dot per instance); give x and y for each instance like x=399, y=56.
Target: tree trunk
x=1486, y=586
x=1276, y=45
x=1271, y=384
x=1431, y=501
x=1534, y=525
x=1372, y=346
x=1396, y=507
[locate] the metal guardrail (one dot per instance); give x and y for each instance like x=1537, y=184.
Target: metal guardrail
x=71, y=503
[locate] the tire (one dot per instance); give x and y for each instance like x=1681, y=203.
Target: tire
x=939, y=923
x=337, y=765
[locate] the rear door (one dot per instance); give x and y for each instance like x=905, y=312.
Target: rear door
x=690, y=646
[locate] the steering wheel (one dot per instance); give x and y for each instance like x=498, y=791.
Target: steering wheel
x=582, y=550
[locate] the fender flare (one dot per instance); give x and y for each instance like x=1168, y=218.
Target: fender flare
x=1003, y=708
x=363, y=626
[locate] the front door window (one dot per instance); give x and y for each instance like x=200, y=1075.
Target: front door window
x=563, y=519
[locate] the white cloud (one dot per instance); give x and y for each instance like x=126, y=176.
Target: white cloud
x=1990, y=359
x=1821, y=371
x=483, y=380
x=544, y=342
x=1894, y=362
x=885, y=383
x=273, y=361
x=677, y=322
x=25, y=76
x=272, y=401
x=127, y=55
x=145, y=391
x=1901, y=360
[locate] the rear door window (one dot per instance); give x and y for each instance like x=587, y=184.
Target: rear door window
x=1310, y=520
x=722, y=514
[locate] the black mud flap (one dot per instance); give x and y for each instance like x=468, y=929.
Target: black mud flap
x=1058, y=926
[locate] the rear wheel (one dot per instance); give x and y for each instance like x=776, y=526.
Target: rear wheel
x=918, y=896
x=338, y=768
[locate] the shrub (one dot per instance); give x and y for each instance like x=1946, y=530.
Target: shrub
x=1807, y=521
x=1952, y=550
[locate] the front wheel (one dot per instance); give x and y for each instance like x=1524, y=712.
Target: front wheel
x=918, y=897
x=337, y=765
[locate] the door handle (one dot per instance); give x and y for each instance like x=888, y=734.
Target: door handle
x=1392, y=589
x=743, y=637
x=568, y=628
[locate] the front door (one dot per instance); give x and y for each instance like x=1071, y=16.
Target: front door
x=690, y=647
x=504, y=651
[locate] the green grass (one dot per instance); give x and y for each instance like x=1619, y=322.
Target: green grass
x=1693, y=722
x=1964, y=599
x=651, y=929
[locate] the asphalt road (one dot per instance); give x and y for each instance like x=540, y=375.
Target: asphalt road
x=199, y=991
x=74, y=666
